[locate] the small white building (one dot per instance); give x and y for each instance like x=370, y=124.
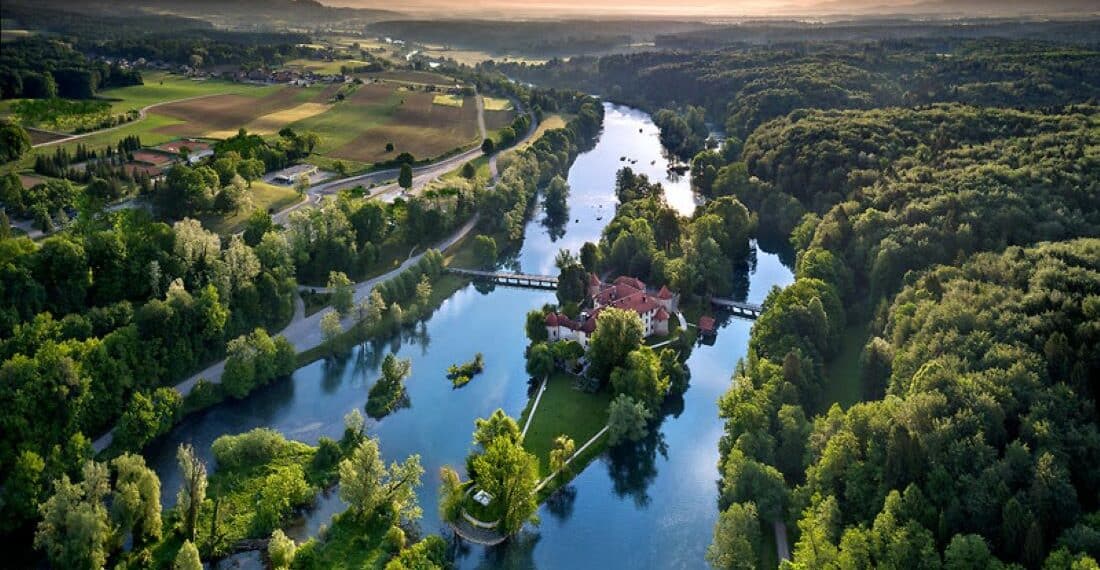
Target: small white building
x=290, y=175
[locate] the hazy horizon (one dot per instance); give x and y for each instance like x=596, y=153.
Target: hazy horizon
x=724, y=9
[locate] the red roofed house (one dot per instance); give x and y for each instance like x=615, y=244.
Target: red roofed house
x=627, y=293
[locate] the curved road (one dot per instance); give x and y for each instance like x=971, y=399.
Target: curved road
x=141, y=116
x=422, y=175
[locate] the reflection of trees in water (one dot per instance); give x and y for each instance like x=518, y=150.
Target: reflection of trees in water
x=332, y=372
x=517, y=552
x=421, y=337
x=560, y=504
x=776, y=243
x=555, y=227
x=632, y=466
x=741, y=272
x=276, y=397
x=484, y=286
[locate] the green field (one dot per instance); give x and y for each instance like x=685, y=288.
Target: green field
x=548, y=123
x=496, y=104
x=161, y=87
x=324, y=67
x=447, y=100
x=264, y=197
x=369, y=106
x=564, y=410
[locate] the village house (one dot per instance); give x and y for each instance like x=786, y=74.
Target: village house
x=627, y=293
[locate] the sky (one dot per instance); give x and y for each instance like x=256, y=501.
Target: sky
x=696, y=8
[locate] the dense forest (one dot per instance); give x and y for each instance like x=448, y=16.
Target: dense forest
x=99, y=320
x=741, y=88
x=38, y=68
x=947, y=232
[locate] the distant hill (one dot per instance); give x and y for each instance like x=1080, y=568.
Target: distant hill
x=236, y=13
x=948, y=8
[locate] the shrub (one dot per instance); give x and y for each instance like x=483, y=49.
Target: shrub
x=248, y=449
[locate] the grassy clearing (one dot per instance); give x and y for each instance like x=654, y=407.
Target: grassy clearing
x=844, y=386
x=266, y=197
x=548, y=123
x=368, y=106
x=496, y=104
x=564, y=410
x=448, y=100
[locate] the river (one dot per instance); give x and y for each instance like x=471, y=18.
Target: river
x=652, y=505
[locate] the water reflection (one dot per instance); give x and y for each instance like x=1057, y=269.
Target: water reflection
x=647, y=505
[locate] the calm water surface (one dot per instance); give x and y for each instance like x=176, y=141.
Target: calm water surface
x=651, y=505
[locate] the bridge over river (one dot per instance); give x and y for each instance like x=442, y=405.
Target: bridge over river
x=738, y=308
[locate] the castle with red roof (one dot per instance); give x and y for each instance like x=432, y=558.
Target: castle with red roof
x=627, y=293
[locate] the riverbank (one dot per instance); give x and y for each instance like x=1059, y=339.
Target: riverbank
x=643, y=505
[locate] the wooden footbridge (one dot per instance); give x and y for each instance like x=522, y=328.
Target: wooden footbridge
x=507, y=278
x=738, y=308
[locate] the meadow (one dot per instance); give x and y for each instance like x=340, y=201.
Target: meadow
x=359, y=128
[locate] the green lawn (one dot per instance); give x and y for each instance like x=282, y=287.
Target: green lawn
x=843, y=372
x=160, y=87
x=481, y=169
x=264, y=197
x=563, y=410
x=550, y=122
x=324, y=67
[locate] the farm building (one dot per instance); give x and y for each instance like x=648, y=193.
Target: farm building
x=627, y=293
x=197, y=149
x=290, y=174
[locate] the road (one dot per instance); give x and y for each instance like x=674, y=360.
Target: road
x=304, y=333
x=141, y=116
x=422, y=175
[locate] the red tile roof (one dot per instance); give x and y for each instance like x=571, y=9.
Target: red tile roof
x=594, y=280
x=664, y=293
x=551, y=319
x=154, y=158
x=662, y=314
x=631, y=281
x=175, y=146
x=706, y=324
